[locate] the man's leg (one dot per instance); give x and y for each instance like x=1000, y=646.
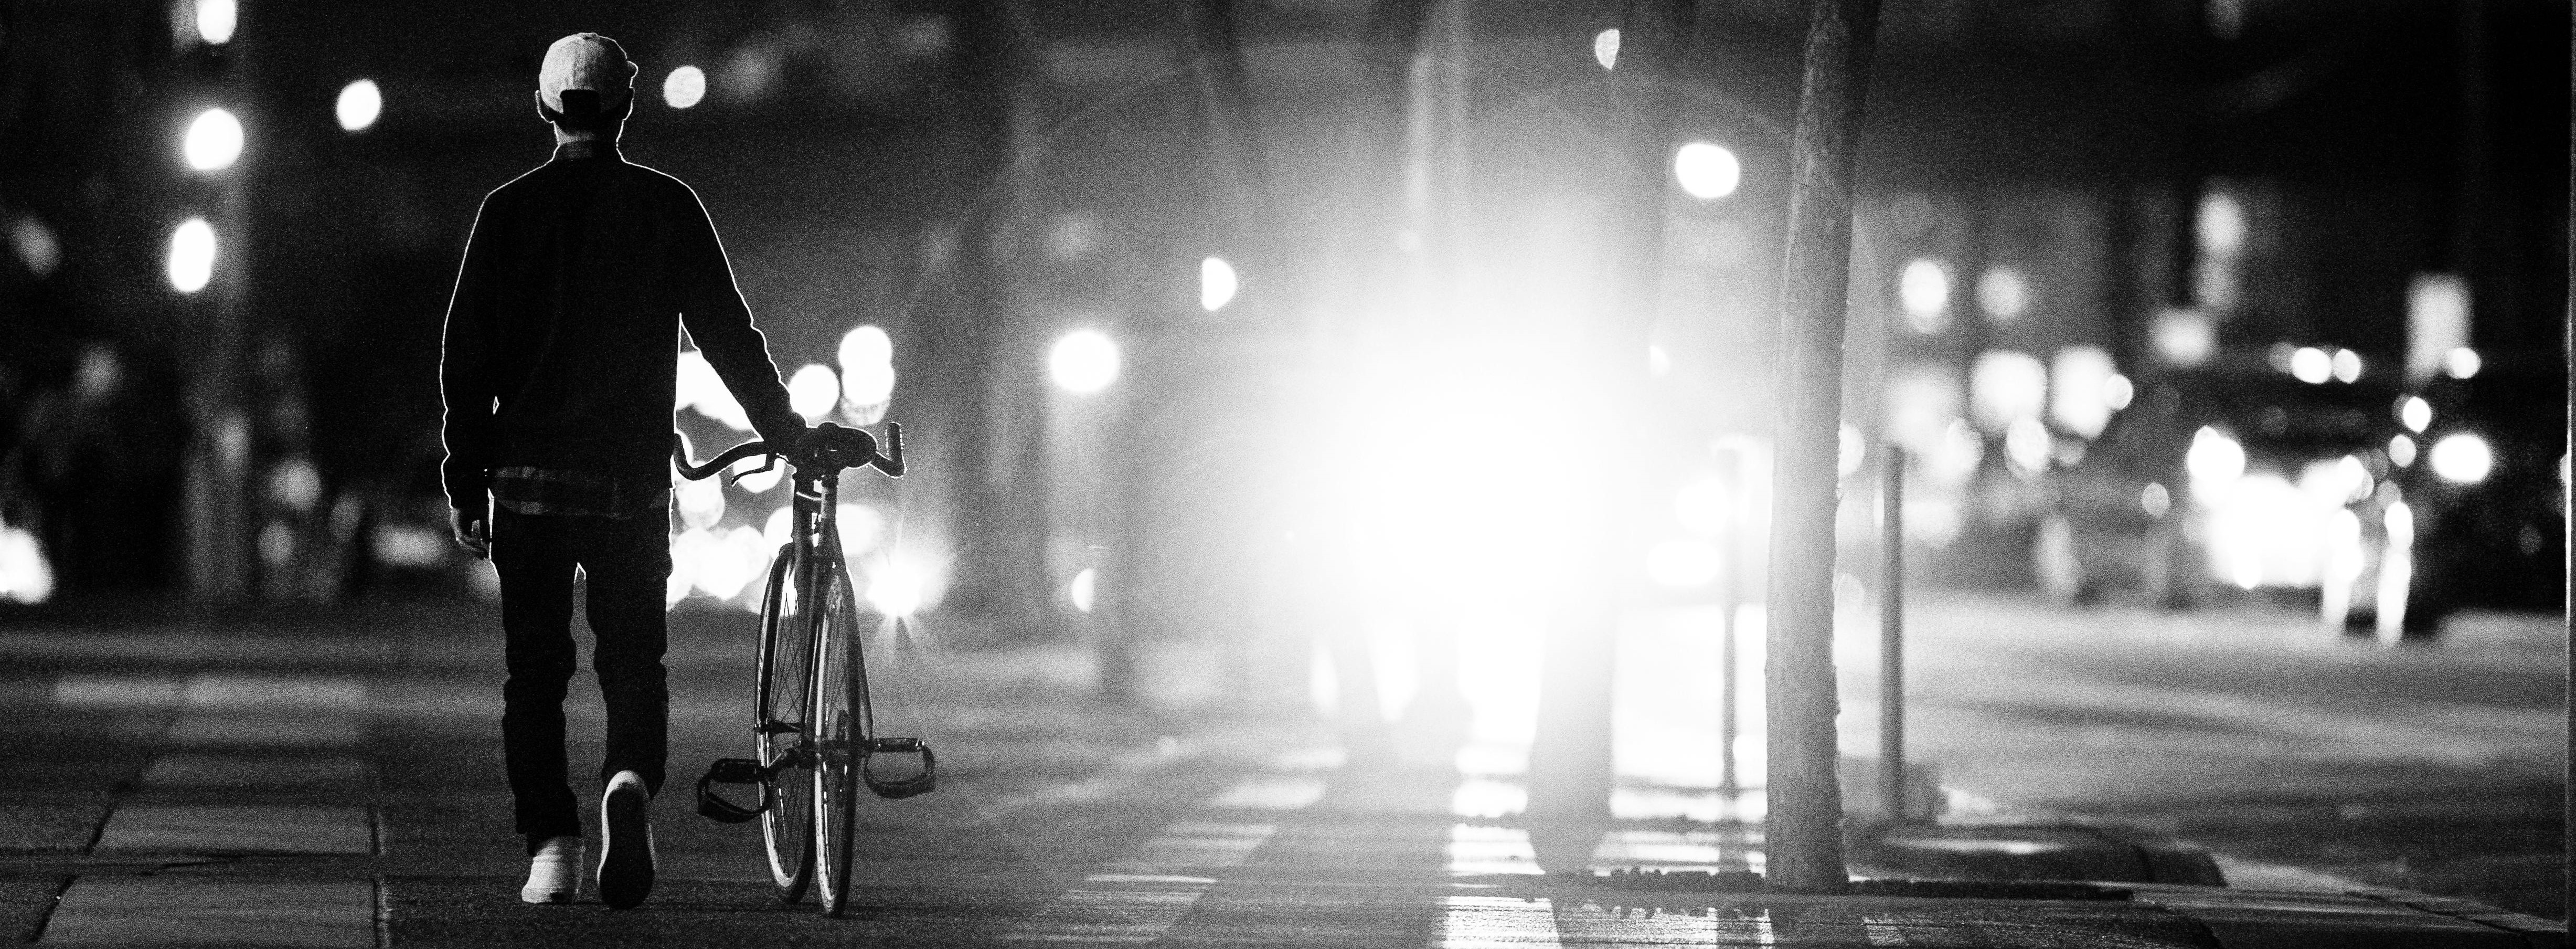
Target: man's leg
x=629, y=562
x=536, y=569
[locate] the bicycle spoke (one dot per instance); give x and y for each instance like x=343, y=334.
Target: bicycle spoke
x=784, y=692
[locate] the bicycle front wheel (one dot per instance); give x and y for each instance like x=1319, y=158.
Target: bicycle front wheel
x=785, y=696
x=840, y=708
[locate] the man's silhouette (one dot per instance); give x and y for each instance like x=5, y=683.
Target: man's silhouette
x=562, y=350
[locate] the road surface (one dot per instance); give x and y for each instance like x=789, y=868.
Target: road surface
x=332, y=778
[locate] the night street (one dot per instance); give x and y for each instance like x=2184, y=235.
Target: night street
x=1989, y=474
x=330, y=780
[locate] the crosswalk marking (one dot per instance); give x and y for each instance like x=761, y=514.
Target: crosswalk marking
x=1497, y=922
x=1479, y=850
x=1138, y=899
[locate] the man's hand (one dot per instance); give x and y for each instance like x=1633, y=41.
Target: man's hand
x=472, y=533
x=798, y=446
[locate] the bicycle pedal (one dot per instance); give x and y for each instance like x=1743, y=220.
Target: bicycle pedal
x=715, y=807
x=900, y=788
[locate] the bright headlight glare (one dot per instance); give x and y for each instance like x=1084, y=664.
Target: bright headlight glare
x=2462, y=458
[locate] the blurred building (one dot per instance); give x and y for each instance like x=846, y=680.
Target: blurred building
x=2052, y=194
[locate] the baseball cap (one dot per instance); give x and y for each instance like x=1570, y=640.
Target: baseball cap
x=586, y=61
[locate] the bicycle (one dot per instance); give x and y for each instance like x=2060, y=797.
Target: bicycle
x=813, y=729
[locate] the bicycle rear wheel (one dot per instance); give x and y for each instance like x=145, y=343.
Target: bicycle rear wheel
x=840, y=705
x=785, y=697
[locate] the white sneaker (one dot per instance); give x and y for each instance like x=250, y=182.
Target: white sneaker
x=626, y=850
x=554, y=873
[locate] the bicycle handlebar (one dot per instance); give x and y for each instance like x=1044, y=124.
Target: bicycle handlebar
x=827, y=446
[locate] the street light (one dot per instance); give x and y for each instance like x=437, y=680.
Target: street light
x=360, y=103
x=192, y=255
x=213, y=141
x=684, y=87
x=1707, y=171
x=1217, y=284
x=1083, y=361
x=215, y=20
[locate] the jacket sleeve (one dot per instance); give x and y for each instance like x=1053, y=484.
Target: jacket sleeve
x=464, y=370
x=711, y=308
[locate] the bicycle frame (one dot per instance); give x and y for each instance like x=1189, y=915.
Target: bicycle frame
x=814, y=544
x=814, y=538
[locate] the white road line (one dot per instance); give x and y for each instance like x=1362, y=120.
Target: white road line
x=1497, y=922
x=1138, y=899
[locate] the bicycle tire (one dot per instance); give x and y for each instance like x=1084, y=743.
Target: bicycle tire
x=840, y=678
x=783, y=697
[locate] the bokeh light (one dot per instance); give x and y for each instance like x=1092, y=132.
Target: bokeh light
x=2462, y=457
x=192, y=255
x=1217, y=284
x=1924, y=291
x=2311, y=365
x=684, y=87
x=216, y=19
x=866, y=356
x=1707, y=171
x=1084, y=361
x=2347, y=365
x=360, y=103
x=2462, y=362
x=213, y=142
x=812, y=392
x=2415, y=412
x=2003, y=293
x=2221, y=227
x=1084, y=589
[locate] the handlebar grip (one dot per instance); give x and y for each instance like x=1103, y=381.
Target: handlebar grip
x=890, y=460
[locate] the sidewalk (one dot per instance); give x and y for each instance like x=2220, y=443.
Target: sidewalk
x=336, y=783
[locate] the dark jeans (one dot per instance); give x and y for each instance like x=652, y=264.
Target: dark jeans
x=625, y=562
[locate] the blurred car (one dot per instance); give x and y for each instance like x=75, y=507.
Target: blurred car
x=2486, y=459
x=2242, y=475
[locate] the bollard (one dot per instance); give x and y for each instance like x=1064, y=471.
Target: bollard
x=1891, y=637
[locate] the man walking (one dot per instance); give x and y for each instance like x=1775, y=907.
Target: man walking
x=561, y=354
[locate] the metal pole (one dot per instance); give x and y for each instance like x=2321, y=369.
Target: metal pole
x=1891, y=638
x=2567, y=526
x=1803, y=794
x=1739, y=562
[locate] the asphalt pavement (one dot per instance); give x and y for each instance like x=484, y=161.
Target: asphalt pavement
x=332, y=778
x=2288, y=748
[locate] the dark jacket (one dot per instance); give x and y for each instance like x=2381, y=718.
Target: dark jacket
x=563, y=336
